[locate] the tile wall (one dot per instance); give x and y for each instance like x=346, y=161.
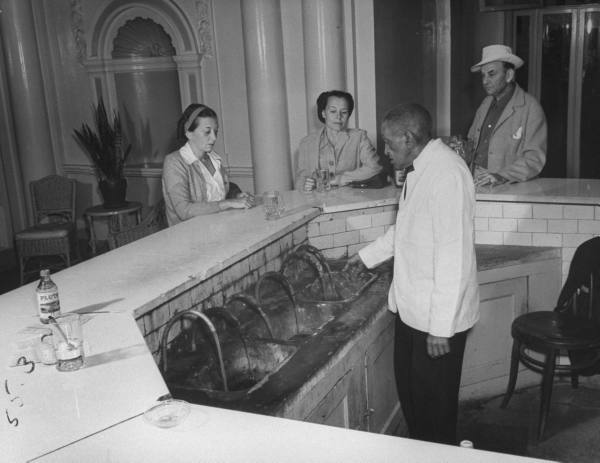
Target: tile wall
x=565, y=226
x=215, y=290
x=342, y=234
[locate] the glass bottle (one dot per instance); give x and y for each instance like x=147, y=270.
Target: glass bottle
x=47, y=297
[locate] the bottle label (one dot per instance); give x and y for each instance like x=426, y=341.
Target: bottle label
x=48, y=303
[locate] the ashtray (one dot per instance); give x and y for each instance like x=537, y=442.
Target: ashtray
x=168, y=413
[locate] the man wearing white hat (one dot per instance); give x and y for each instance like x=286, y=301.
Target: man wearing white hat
x=509, y=130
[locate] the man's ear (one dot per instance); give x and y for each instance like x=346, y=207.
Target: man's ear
x=510, y=75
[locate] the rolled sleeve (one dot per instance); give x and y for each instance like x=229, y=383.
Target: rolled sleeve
x=368, y=162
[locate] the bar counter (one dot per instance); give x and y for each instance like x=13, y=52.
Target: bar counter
x=95, y=411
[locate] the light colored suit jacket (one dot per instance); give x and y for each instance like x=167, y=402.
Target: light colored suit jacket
x=357, y=159
x=517, y=148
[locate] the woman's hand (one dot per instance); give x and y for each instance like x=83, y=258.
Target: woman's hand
x=336, y=180
x=245, y=194
x=241, y=202
x=309, y=184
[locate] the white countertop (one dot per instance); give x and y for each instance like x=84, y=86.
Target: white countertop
x=540, y=190
x=45, y=410
x=545, y=190
x=218, y=435
x=347, y=198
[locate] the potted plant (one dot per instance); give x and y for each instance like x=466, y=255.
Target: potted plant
x=106, y=148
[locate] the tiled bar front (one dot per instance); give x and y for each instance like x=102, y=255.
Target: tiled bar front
x=342, y=234
x=537, y=224
x=215, y=290
x=515, y=222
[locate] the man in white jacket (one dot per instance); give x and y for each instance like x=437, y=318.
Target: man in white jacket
x=434, y=288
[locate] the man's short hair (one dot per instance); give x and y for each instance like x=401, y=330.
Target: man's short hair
x=411, y=117
x=508, y=66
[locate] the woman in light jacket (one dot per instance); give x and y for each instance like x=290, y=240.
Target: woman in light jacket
x=194, y=180
x=346, y=153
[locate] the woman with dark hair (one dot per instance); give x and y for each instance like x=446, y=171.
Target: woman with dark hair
x=346, y=153
x=194, y=180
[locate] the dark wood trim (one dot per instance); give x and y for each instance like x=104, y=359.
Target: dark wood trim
x=499, y=5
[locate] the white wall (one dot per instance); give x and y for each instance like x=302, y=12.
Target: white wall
x=61, y=23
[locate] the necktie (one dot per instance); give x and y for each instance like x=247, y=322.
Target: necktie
x=208, y=163
x=408, y=170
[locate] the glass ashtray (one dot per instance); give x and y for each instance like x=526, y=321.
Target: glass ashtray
x=168, y=413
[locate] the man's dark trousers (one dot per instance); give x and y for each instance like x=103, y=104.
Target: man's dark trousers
x=428, y=388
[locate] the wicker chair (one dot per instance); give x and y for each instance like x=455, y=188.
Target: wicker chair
x=54, y=230
x=155, y=221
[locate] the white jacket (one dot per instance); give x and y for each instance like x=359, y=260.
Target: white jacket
x=434, y=288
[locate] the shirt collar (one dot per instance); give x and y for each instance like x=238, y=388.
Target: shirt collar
x=189, y=157
x=341, y=138
x=422, y=159
x=506, y=94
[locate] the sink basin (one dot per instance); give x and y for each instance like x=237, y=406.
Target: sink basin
x=247, y=366
x=342, y=288
x=225, y=354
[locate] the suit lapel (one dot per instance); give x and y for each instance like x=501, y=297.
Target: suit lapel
x=517, y=99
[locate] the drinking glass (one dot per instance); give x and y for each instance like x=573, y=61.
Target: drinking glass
x=323, y=180
x=67, y=337
x=273, y=205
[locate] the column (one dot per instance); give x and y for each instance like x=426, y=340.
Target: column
x=267, y=104
x=324, y=51
x=26, y=88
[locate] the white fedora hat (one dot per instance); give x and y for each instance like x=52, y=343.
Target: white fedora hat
x=497, y=53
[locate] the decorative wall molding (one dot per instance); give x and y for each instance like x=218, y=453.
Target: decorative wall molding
x=78, y=169
x=78, y=30
x=142, y=38
x=241, y=171
x=204, y=28
x=151, y=171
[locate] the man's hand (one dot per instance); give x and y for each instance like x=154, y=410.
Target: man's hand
x=354, y=266
x=437, y=346
x=484, y=177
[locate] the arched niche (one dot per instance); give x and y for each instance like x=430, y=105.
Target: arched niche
x=144, y=60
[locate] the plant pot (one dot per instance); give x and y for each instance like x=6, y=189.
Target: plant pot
x=113, y=192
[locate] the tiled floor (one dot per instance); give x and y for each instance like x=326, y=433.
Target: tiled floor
x=572, y=430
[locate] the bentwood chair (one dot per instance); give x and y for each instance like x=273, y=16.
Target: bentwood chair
x=54, y=230
x=155, y=221
x=542, y=339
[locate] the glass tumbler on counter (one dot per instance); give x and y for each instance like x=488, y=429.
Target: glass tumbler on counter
x=67, y=337
x=323, y=180
x=272, y=204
